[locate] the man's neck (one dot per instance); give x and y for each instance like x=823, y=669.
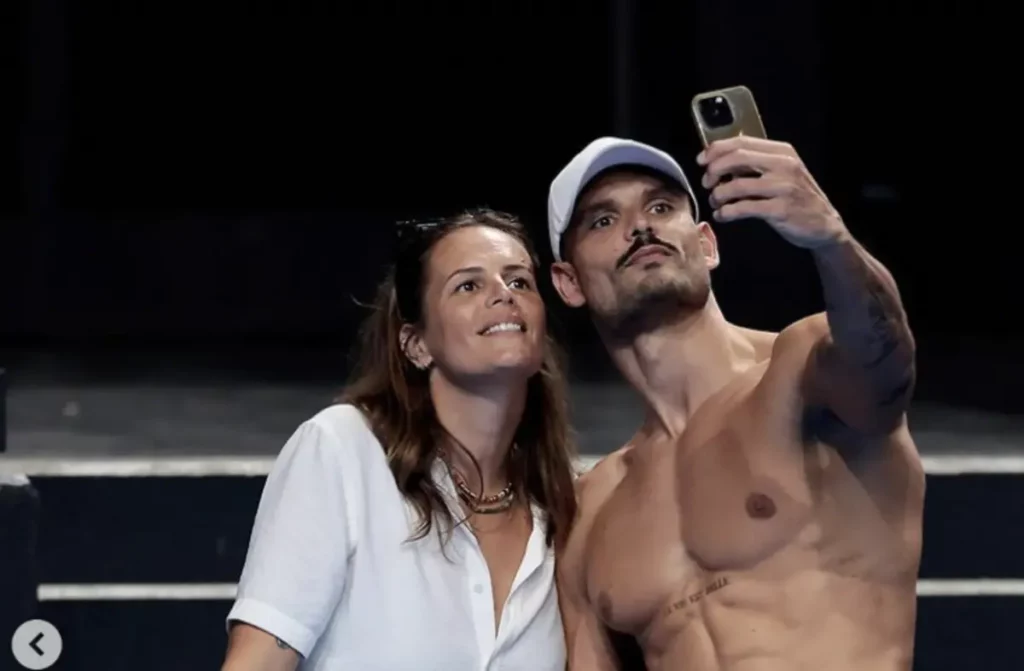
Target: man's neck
x=681, y=364
x=484, y=421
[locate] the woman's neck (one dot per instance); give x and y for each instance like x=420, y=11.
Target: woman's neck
x=484, y=422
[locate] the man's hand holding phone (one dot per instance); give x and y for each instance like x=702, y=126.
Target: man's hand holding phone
x=783, y=193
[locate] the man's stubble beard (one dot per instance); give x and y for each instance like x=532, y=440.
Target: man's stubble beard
x=655, y=303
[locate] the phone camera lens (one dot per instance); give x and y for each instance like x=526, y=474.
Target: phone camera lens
x=716, y=112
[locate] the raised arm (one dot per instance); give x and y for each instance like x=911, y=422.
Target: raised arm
x=861, y=363
x=863, y=368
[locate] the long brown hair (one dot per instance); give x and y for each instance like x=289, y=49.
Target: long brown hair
x=395, y=395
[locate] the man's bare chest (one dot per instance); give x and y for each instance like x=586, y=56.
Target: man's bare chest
x=730, y=496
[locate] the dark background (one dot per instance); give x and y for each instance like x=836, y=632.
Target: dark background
x=196, y=191
x=203, y=187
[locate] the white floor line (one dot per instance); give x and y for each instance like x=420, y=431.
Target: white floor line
x=138, y=592
x=971, y=587
x=139, y=467
x=984, y=587
x=259, y=466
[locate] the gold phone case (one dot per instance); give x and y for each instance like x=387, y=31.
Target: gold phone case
x=739, y=101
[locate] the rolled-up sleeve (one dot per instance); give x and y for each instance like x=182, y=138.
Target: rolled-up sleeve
x=302, y=540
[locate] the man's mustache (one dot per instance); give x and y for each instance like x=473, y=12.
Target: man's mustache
x=643, y=241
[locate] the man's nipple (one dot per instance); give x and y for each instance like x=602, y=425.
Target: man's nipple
x=760, y=506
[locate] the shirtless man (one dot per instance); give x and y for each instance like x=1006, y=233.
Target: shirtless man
x=767, y=514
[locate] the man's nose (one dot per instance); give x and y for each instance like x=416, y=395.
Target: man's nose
x=639, y=226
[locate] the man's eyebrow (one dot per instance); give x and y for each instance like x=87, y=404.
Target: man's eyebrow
x=662, y=190
x=590, y=208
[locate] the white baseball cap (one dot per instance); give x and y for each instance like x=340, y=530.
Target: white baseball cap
x=599, y=155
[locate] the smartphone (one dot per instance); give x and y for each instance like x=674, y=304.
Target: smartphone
x=726, y=113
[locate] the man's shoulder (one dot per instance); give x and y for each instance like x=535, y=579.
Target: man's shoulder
x=593, y=486
x=788, y=352
x=796, y=339
x=802, y=335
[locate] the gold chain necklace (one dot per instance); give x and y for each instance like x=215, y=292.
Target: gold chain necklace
x=490, y=504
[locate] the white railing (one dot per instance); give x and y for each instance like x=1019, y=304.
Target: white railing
x=968, y=587
x=259, y=466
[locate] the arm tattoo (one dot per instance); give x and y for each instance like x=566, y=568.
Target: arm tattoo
x=882, y=337
x=866, y=318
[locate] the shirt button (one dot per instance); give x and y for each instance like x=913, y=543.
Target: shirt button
x=478, y=588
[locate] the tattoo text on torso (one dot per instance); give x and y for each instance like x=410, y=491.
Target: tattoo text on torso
x=711, y=588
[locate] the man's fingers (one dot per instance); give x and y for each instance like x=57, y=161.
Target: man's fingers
x=719, y=148
x=746, y=187
x=768, y=209
x=746, y=161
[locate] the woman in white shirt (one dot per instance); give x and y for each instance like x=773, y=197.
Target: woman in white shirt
x=413, y=525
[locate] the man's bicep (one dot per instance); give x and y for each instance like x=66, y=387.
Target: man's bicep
x=842, y=388
x=833, y=382
x=252, y=649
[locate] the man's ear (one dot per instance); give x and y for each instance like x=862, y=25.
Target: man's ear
x=709, y=245
x=567, y=284
x=414, y=348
